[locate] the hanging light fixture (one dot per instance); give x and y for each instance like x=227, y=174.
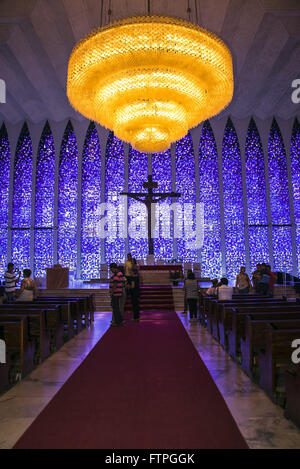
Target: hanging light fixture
x=150, y=79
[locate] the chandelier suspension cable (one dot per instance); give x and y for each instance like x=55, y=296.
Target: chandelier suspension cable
x=149, y=9
x=188, y=9
x=101, y=14
x=109, y=11
x=196, y=11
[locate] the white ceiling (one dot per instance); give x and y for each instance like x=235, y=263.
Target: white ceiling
x=37, y=37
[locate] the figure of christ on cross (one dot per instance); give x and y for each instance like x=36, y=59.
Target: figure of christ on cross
x=148, y=198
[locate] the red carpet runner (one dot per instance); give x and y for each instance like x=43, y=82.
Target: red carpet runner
x=142, y=386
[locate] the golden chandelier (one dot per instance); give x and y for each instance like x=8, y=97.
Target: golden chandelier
x=150, y=79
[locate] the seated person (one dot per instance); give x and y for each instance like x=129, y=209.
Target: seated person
x=224, y=292
x=211, y=291
x=28, y=290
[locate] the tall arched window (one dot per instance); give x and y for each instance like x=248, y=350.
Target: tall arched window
x=211, y=255
x=137, y=212
x=186, y=213
x=90, y=205
x=21, y=210
x=114, y=184
x=67, y=200
x=44, y=203
x=162, y=174
x=233, y=202
x=4, y=195
x=256, y=198
x=280, y=208
x=295, y=170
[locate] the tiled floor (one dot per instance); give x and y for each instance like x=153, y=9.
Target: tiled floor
x=261, y=422
x=21, y=404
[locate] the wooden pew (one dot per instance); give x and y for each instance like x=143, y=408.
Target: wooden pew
x=19, y=348
x=87, y=303
x=83, y=303
x=4, y=374
x=219, y=308
x=292, y=386
x=254, y=337
x=37, y=329
x=275, y=358
x=4, y=367
x=72, y=306
x=68, y=312
x=90, y=304
x=209, y=302
x=53, y=323
x=234, y=322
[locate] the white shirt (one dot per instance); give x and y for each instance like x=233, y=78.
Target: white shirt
x=225, y=292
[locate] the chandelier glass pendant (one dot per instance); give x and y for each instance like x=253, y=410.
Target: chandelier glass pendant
x=150, y=79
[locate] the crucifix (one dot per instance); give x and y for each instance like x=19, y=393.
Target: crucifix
x=148, y=198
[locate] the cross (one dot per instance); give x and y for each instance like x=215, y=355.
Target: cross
x=148, y=198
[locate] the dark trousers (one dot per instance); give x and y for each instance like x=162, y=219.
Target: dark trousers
x=185, y=304
x=263, y=288
x=10, y=295
x=192, y=302
x=244, y=291
x=115, y=304
x=135, y=303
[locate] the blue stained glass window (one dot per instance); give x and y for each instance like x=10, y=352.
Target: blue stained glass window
x=279, y=194
x=211, y=255
x=21, y=248
x=295, y=170
x=282, y=248
x=4, y=196
x=90, y=205
x=67, y=200
x=233, y=202
x=137, y=212
x=162, y=174
x=256, y=198
x=3, y=251
x=21, y=215
x=43, y=251
x=114, y=184
x=259, y=245
x=185, y=185
x=44, y=203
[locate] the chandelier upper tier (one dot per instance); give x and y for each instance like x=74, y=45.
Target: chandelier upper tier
x=150, y=79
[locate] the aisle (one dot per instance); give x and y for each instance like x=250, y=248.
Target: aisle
x=142, y=386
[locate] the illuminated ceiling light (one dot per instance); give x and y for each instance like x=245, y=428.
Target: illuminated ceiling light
x=150, y=79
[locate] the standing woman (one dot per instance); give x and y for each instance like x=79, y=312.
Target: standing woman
x=28, y=290
x=243, y=282
x=191, y=293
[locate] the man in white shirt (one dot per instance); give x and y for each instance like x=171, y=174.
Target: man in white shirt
x=224, y=291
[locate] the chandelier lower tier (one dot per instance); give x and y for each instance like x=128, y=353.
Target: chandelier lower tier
x=150, y=79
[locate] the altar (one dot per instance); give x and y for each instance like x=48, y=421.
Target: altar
x=159, y=274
